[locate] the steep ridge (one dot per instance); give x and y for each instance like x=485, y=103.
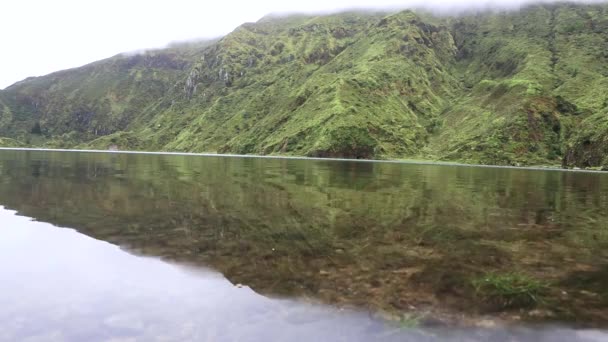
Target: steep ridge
x=338, y=86
x=534, y=76
x=507, y=88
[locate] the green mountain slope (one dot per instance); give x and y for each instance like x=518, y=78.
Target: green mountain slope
x=532, y=77
x=72, y=106
x=527, y=87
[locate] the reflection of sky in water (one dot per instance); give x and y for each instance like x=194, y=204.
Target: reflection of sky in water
x=59, y=285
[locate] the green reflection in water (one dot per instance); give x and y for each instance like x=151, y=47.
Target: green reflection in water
x=389, y=237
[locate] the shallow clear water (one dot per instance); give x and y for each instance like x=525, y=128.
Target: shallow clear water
x=324, y=250
x=61, y=285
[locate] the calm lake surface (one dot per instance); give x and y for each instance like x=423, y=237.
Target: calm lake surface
x=129, y=247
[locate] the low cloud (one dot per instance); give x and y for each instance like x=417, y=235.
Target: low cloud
x=450, y=7
x=63, y=34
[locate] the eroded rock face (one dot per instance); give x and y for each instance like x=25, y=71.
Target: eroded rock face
x=586, y=154
x=191, y=82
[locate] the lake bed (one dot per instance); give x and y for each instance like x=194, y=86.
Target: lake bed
x=171, y=247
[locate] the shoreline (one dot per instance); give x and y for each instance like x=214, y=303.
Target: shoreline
x=256, y=156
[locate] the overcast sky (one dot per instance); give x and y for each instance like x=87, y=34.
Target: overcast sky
x=42, y=36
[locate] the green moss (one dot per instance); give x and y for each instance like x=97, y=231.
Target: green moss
x=409, y=321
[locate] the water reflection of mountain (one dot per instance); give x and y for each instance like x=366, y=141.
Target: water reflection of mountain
x=383, y=236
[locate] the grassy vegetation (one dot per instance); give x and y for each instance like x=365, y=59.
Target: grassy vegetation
x=8, y=142
x=120, y=140
x=510, y=290
x=519, y=88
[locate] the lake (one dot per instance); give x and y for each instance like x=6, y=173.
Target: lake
x=145, y=247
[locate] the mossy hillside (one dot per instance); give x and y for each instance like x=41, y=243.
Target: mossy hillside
x=94, y=100
x=350, y=92
x=510, y=127
x=503, y=45
x=582, y=55
x=589, y=145
x=494, y=88
x=524, y=102
x=120, y=141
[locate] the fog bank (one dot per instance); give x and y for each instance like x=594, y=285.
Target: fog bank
x=41, y=36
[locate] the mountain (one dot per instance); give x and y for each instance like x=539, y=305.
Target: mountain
x=507, y=88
